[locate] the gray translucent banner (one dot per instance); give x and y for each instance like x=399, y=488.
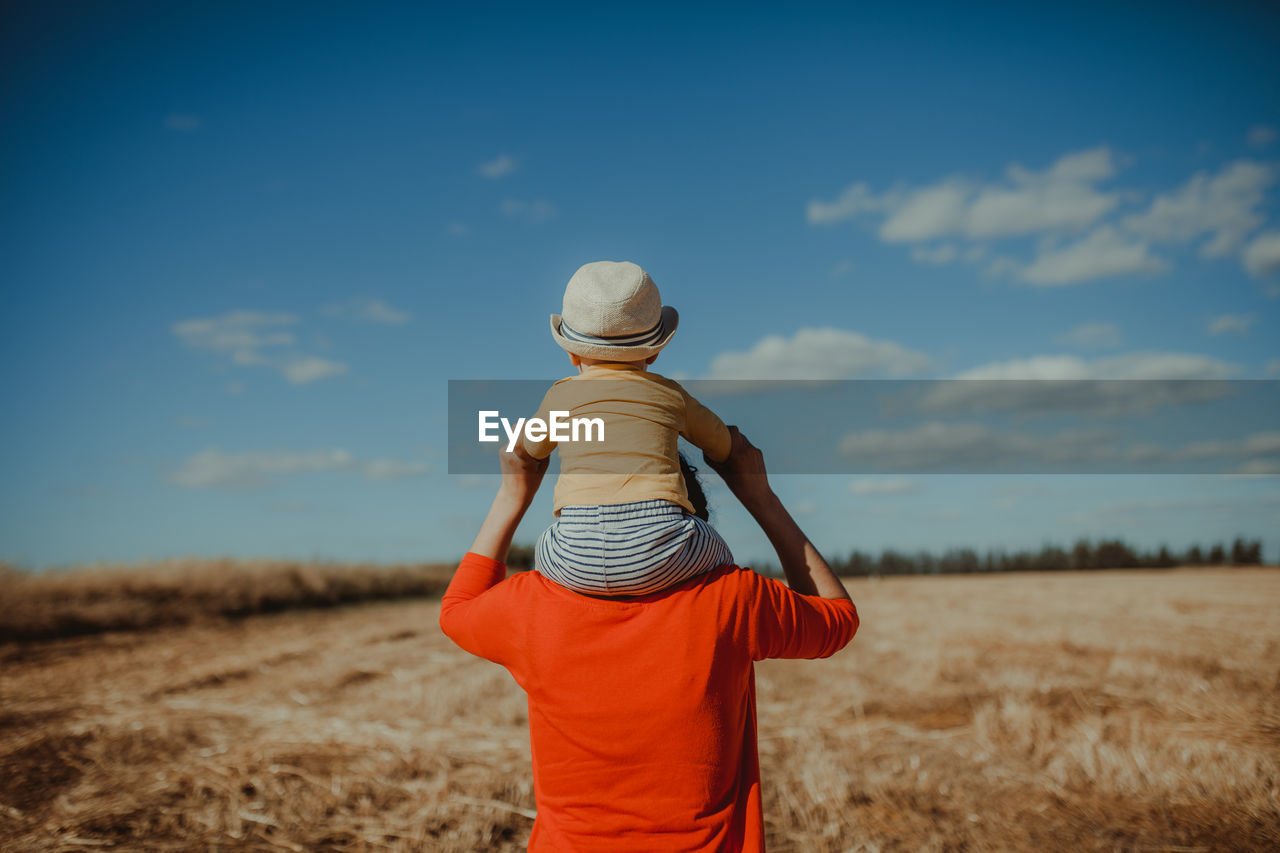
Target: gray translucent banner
x=954, y=426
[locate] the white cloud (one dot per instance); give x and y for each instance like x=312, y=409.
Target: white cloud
x=377, y=311
x=1092, y=336
x=252, y=338
x=976, y=447
x=241, y=335
x=841, y=269
x=819, y=354
x=1233, y=324
x=1033, y=367
x=943, y=254
x=1134, y=365
x=1104, y=253
x=473, y=481
x=457, y=229
x=371, y=310
x=1258, y=467
x=393, y=469
x=1000, y=266
x=856, y=198
x=302, y=370
x=1253, y=445
x=1260, y=136
x=1272, y=367
x=183, y=122
x=1092, y=387
x=1220, y=209
x=1251, y=454
x=215, y=469
x=938, y=444
x=928, y=213
x=1262, y=255
x=885, y=486
x=805, y=508
x=1223, y=206
x=1060, y=198
x=528, y=212
x=1108, y=514
x=500, y=166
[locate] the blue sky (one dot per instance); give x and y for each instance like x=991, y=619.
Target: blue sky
x=244, y=246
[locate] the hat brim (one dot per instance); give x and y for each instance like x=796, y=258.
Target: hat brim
x=670, y=319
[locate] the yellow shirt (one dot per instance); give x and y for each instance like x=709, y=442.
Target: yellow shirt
x=643, y=414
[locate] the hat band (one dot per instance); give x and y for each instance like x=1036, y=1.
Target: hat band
x=642, y=339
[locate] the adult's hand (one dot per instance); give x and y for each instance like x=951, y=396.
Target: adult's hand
x=743, y=470
x=521, y=474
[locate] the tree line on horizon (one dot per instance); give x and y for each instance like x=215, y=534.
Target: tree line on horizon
x=1083, y=556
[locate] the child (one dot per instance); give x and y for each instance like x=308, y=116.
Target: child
x=624, y=521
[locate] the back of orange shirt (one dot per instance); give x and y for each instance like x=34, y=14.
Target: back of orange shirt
x=642, y=711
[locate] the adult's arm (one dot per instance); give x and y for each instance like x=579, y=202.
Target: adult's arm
x=744, y=473
x=521, y=476
x=467, y=616
x=814, y=618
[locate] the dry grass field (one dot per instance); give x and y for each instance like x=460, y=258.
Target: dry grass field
x=1103, y=711
x=93, y=599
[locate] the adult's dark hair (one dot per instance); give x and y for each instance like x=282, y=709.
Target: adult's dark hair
x=693, y=486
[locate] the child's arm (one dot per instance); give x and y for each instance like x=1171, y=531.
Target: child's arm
x=535, y=451
x=525, y=455
x=705, y=429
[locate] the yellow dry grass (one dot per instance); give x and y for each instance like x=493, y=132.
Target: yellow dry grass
x=91, y=599
x=1100, y=711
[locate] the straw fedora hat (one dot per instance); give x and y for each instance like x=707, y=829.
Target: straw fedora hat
x=612, y=311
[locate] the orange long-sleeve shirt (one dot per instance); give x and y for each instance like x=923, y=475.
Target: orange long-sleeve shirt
x=642, y=711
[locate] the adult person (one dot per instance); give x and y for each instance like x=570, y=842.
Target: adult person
x=642, y=713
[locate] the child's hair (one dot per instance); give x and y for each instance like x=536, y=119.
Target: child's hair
x=693, y=486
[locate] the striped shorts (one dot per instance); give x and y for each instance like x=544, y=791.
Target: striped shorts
x=628, y=549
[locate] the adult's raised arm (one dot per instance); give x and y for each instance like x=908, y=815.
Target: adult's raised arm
x=521, y=476
x=468, y=616
x=744, y=473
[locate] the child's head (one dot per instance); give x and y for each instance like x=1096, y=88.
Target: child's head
x=613, y=313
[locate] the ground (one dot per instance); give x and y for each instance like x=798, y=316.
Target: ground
x=1069, y=711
